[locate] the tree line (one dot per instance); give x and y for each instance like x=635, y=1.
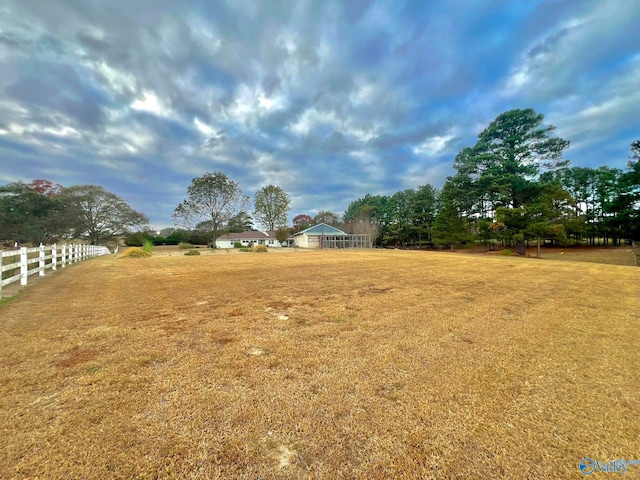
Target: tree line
x=513, y=187
x=43, y=212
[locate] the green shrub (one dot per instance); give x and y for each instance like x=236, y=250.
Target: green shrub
x=245, y=249
x=178, y=236
x=237, y=245
x=259, y=249
x=135, y=239
x=165, y=241
x=199, y=238
x=184, y=246
x=147, y=246
x=506, y=252
x=136, y=252
x=192, y=252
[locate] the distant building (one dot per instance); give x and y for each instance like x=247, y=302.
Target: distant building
x=228, y=240
x=326, y=236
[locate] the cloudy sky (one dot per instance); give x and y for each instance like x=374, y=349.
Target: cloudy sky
x=327, y=99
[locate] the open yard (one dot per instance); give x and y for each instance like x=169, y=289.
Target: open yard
x=332, y=364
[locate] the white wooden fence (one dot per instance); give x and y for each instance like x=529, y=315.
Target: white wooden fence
x=39, y=259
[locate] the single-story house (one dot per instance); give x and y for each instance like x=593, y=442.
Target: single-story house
x=326, y=236
x=246, y=238
x=312, y=237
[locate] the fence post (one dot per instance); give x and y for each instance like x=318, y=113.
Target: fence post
x=24, y=267
x=54, y=256
x=1, y=273
x=64, y=255
x=41, y=261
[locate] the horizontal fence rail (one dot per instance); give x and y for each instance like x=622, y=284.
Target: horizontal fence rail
x=22, y=263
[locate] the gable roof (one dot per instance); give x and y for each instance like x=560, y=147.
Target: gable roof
x=321, y=229
x=248, y=235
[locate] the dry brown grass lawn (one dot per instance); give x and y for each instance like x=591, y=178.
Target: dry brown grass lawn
x=334, y=364
x=611, y=255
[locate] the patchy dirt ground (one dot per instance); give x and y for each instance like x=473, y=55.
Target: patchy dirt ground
x=333, y=364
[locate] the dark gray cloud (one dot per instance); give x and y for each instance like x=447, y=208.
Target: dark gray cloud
x=59, y=89
x=330, y=100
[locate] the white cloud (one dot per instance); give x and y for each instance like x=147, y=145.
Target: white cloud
x=364, y=94
x=289, y=41
x=31, y=132
x=149, y=102
x=124, y=139
x=312, y=119
x=268, y=103
x=16, y=129
x=433, y=146
x=251, y=104
x=119, y=81
x=203, y=128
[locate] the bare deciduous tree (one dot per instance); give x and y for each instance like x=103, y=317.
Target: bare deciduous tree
x=212, y=200
x=271, y=207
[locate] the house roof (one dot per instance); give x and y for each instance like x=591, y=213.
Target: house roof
x=248, y=235
x=321, y=229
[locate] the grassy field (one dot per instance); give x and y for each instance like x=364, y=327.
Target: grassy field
x=333, y=364
x=611, y=255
